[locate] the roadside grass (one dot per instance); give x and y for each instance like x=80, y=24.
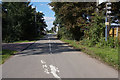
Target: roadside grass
x=22, y=41
x=105, y=54
x=6, y=54
x=25, y=41
x=38, y=38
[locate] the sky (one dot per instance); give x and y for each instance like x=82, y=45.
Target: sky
x=100, y=1
x=46, y=10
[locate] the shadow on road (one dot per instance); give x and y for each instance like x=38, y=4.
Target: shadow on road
x=16, y=46
x=44, y=48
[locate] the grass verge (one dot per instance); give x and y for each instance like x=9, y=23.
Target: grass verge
x=6, y=54
x=25, y=41
x=107, y=55
x=22, y=41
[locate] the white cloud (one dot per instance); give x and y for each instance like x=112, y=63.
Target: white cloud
x=101, y=1
x=49, y=18
x=41, y=11
x=33, y=6
x=49, y=21
x=50, y=25
x=50, y=7
x=41, y=4
x=40, y=0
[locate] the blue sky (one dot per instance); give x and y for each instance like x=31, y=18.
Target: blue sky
x=46, y=9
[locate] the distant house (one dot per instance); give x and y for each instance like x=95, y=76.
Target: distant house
x=115, y=29
x=115, y=32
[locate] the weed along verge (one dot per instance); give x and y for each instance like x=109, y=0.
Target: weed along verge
x=105, y=54
x=6, y=54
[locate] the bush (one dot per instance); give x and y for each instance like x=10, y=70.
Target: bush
x=64, y=33
x=95, y=30
x=101, y=43
x=87, y=42
x=116, y=42
x=111, y=42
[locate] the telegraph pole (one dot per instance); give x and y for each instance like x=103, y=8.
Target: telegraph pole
x=35, y=21
x=35, y=16
x=107, y=22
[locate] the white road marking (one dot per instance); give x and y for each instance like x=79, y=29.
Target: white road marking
x=50, y=69
x=44, y=66
x=43, y=61
x=54, y=42
x=49, y=40
x=50, y=47
x=46, y=71
x=54, y=71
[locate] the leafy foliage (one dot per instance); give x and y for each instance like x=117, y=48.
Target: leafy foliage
x=69, y=15
x=95, y=30
x=18, y=21
x=64, y=33
x=72, y=22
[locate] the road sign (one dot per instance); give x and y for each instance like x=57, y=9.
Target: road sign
x=108, y=3
x=109, y=12
x=109, y=8
x=107, y=23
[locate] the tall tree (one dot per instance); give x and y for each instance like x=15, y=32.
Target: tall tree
x=70, y=15
x=19, y=21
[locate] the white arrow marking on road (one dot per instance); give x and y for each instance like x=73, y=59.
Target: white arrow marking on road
x=42, y=61
x=46, y=71
x=45, y=67
x=53, y=70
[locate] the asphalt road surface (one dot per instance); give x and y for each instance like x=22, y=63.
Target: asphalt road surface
x=51, y=58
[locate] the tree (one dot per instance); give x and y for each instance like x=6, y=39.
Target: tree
x=19, y=21
x=70, y=15
x=41, y=24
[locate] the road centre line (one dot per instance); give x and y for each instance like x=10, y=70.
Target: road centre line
x=50, y=46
